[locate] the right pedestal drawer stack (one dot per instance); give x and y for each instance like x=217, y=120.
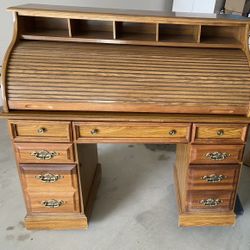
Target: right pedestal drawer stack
x=208, y=169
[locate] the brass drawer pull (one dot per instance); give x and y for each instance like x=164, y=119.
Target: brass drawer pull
x=94, y=131
x=41, y=130
x=210, y=202
x=217, y=156
x=172, y=132
x=52, y=203
x=213, y=178
x=49, y=178
x=44, y=155
x=220, y=132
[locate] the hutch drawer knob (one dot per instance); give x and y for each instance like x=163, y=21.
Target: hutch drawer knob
x=213, y=178
x=220, y=132
x=49, y=178
x=44, y=155
x=52, y=203
x=217, y=156
x=94, y=131
x=41, y=130
x=172, y=132
x=210, y=202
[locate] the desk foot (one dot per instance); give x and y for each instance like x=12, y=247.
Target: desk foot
x=188, y=219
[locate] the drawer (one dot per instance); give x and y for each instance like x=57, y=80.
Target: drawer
x=40, y=131
x=44, y=152
x=57, y=202
x=213, y=177
x=219, y=133
x=210, y=200
x=49, y=177
x=124, y=132
x=216, y=154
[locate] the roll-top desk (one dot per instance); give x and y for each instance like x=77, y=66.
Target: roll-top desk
x=75, y=77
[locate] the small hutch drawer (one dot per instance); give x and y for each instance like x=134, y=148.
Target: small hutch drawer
x=44, y=153
x=40, y=131
x=219, y=133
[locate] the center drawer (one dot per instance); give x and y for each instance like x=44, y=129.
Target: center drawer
x=44, y=152
x=132, y=132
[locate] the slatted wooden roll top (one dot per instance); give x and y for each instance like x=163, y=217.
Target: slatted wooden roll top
x=86, y=67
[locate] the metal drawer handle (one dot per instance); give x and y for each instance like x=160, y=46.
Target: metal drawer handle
x=220, y=132
x=49, y=178
x=94, y=131
x=217, y=156
x=44, y=155
x=52, y=203
x=172, y=132
x=213, y=178
x=210, y=202
x=41, y=130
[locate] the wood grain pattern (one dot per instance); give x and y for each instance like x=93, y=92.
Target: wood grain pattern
x=137, y=132
x=24, y=151
x=107, y=79
x=199, y=154
x=219, y=133
x=30, y=131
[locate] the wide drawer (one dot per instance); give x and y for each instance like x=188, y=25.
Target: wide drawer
x=40, y=131
x=58, y=202
x=44, y=152
x=213, y=177
x=210, y=200
x=49, y=178
x=219, y=133
x=216, y=154
x=141, y=132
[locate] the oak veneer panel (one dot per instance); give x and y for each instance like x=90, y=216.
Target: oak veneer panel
x=67, y=180
x=66, y=76
x=199, y=154
x=64, y=153
x=164, y=132
x=197, y=172
x=219, y=133
x=31, y=131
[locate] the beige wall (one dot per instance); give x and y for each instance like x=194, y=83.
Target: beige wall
x=6, y=17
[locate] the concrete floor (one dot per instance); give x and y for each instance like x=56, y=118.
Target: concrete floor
x=135, y=207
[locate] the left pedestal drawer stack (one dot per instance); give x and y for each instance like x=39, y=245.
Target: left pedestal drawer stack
x=48, y=171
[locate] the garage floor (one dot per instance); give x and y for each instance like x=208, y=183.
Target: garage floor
x=135, y=207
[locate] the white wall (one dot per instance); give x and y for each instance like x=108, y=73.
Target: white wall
x=6, y=17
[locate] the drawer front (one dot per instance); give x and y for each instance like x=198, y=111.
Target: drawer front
x=40, y=131
x=219, y=133
x=216, y=154
x=213, y=177
x=49, y=178
x=44, y=153
x=210, y=200
x=170, y=132
x=58, y=202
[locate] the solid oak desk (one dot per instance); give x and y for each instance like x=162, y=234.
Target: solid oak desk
x=75, y=77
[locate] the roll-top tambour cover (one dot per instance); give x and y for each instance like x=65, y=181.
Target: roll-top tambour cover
x=56, y=70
